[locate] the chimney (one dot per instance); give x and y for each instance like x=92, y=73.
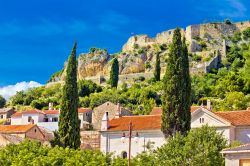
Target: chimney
x=209, y=106
x=105, y=122
x=50, y=106
x=118, y=111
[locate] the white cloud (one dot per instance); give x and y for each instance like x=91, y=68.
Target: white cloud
x=11, y=90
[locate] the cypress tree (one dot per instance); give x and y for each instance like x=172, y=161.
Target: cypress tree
x=186, y=89
x=69, y=123
x=114, y=73
x=176, y=97
x=157, y=71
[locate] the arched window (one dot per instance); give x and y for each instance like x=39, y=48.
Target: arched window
x=124, y=154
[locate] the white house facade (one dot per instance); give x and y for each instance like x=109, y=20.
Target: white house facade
x=47, y=119
x=235, y=125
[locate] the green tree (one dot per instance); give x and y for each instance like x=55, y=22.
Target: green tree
x=157, y=71
x=114, y=73
x=186, y=89
x=177, y=89
x=2, y=101
x=69, y=124
x=201, y=147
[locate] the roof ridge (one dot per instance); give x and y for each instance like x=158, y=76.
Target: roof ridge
x=139, y=116
x=243, y=145
x=232, y=111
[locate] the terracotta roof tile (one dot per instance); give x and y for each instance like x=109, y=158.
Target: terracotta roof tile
x=51, y=112
x=148, y=122
x=4, y=110
x=158, y=110
x=48, y=112
x=237, y=118
x=27, y=112
x=15, y=128
x=84, y=110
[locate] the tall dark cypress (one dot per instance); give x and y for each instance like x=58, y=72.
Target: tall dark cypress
x=69, y=123
x=157, y=71
x=186, y=89
x=114, y=73
x=176, y=97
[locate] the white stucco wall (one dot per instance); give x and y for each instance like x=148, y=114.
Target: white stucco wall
x=51, y=126
x=111, y=141
x=36, y=117
x=16, y=120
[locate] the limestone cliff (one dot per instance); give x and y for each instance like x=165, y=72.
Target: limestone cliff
x=138, y=54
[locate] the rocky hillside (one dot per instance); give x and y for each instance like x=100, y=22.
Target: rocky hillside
x=207, y=44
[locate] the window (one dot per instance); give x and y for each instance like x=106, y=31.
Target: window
x=46, y=119
x=124, y=155
x=1, y=116
x=55, y=119
x=35, y=130
x=29, y=119
x=201, y=120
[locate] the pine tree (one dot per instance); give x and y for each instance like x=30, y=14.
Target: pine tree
x=114, y=73
x=157, y=71
x=176, y=97
x=69, y=123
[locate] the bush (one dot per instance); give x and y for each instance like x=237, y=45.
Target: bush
x=227, y=21
x=30, y=153
x=86, y=87
x=246, y=33
x=196, y=57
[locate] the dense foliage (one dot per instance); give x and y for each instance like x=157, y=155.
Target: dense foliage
x=33, y=153
x=69, y=124
x=2, y=101
x=229, y=87
x=114, y=73
x=176, y=99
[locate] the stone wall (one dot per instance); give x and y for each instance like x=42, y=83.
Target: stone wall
x=90, y=140
x=99, y=111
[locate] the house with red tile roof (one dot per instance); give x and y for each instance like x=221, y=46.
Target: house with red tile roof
x=30, y=131
x=48, y=119
x=235, y=125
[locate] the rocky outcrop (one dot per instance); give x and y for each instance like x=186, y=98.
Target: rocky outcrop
x=138, y=53
x=93, y=63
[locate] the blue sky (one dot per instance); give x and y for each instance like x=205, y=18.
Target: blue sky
x=36, y=36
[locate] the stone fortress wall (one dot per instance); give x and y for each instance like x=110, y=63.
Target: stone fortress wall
x=215, y=35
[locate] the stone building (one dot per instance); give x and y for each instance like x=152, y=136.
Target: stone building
x=29, y=131
x=5, y=113
x=112, y=109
